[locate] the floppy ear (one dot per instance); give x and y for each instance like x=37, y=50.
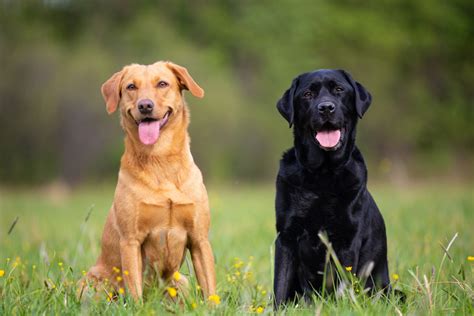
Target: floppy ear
x=285, y=104
x=185, y=80
x=111, y=92
x=362, y=97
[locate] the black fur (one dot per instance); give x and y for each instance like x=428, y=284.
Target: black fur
x=324, y=189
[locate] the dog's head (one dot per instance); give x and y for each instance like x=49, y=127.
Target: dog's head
x=324, y=107
x=149, y=97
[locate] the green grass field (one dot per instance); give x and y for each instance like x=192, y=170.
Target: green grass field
x=51, y=245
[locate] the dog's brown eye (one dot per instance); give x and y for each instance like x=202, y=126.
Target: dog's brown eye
x=131, y=86
x=163, y=84
x=308, y=94
x=339, y=89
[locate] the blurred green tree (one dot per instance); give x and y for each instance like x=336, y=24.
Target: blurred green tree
x=416, y=57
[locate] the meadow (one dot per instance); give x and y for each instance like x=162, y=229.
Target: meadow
x=57, y=234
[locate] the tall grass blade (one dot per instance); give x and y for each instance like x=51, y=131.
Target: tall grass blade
x=13, y=225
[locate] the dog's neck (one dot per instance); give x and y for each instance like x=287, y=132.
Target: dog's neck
x=168, y=157
x=311, y=171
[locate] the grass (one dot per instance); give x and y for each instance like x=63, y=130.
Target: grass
x=429, y=229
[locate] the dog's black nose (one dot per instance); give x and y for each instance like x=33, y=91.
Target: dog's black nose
x=326, y=107
x=145, y=106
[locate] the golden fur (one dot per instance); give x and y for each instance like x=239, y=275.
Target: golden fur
x=160, y=206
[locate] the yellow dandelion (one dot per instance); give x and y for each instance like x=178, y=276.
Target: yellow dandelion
x=116, y=270
x=193, y=305
x=349, y=269
x=470, y=258
x=2, y=273
x=237, y=273
x=259, y=310
x=60, y=264
x=119, y=278
x=176, y=276
x=126, y=272
x=214, y=298
x=172, y=291
x=395, y=276
x=121, y=290
x=198, y=287
x=264, y=292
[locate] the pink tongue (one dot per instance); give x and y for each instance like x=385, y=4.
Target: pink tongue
x=328, y=139
x=149, y=132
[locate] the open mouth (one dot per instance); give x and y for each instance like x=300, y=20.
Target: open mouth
x=329, y=138
x=149, y=128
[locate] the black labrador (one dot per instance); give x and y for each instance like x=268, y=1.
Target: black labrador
x=321, y=186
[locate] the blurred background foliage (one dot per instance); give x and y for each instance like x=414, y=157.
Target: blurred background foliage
x=415, y=57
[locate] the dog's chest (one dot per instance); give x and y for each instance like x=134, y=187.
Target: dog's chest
x=167, y=212
x=162, y=205
x=313, y=211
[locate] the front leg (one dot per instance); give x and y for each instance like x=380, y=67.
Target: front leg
x=203, y=261
x=286, y=283
x=130, y=251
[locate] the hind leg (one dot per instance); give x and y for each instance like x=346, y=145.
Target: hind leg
x=382, y=278
x=106, y=275
x=379, y=278
x=98, y=282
